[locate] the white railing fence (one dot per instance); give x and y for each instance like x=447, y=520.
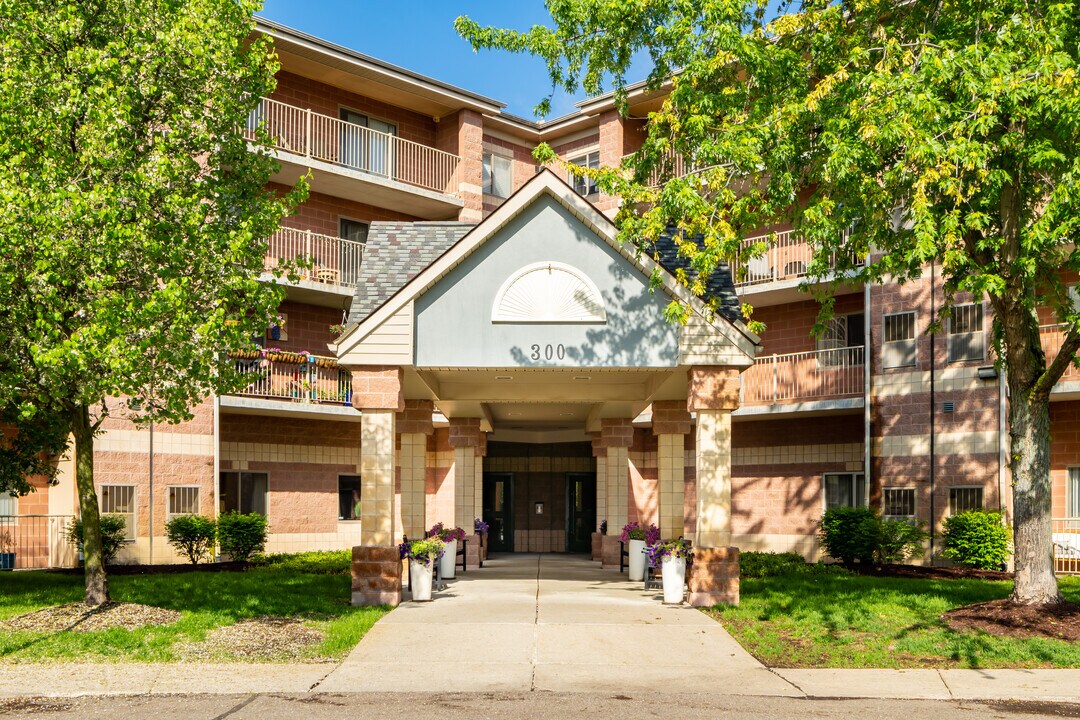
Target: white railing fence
x=316, y=380
x=303, y=132
x=331, y=260
x=35, y=542
x=1066, y=539
x=814, y=375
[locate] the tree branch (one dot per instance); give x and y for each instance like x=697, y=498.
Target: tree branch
x=1056, y=369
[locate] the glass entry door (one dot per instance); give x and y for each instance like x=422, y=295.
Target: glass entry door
x=499, y=511
x=580, y=511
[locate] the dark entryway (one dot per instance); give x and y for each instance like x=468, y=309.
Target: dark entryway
x=498, y=511
x=580, y=511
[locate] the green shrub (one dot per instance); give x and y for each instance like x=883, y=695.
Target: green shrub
x=976, y=538
x=193, y=536
x=113, y=528
x=317, y=562
x=899, y=540
x=241, y=536
x=850, y=533
x=767, y=564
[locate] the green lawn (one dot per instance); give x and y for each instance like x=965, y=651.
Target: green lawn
x=837, y=619
x=205, y=600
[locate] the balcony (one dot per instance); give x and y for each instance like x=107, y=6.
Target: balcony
x=1052, y=337
x=354, y=162
x=294, y=377
x=1066, y=539
x=807, y=381
x=327, y=264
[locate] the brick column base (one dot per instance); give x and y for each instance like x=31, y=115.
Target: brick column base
x=472, y=552
x=609, y=552
x=597, y=546
x=714, y=577
x=376, y=575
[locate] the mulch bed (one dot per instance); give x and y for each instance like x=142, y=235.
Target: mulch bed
x=1002, y=617
x=259, y=639
x=80, y=618
x=925, y=572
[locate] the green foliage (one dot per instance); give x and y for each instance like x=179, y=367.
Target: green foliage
x=976, y=538
x=242, y=535
x=425, y=551
x=850, y=533
x=932, y=133
x=767, y=564
x=193, y=536
x=320, y=562
x=899, y=540
x=30, y=446
x=113, y=528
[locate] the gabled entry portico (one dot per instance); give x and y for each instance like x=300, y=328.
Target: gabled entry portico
x=537, y=326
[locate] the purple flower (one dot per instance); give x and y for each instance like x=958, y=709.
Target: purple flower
x=603, y=527
x=439, y=530
x=635, y=531
x=669, y=548
x=480, y=527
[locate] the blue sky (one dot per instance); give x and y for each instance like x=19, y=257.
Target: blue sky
x=419, y=35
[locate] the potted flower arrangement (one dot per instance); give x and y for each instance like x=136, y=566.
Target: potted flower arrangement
x=481, y=528
x=638, y=537
x=422, y=556
x=450, y=537
x=672, y=557
x=7, y=551
x=603, y=527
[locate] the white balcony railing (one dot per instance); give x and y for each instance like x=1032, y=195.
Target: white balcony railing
x=355, y=147
x=1066, y=539
x=1052, y=337
x=327, y=259
x=796, y=377
x=290, y=376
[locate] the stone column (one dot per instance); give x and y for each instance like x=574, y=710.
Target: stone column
x=414, y=425
x=462, y=134
x=376, y=568
x=616, y=436
x=671, y=423
x=600, y=454
x=465, y=438
x=713, y=392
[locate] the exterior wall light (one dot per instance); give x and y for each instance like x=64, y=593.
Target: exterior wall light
x=988, y=372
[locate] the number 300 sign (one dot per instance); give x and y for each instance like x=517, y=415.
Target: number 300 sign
x=547, y=352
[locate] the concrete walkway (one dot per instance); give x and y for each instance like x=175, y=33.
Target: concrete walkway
x=540, y=623
x=550, y=622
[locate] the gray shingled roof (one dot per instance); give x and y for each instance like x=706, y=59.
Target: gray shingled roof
x=720, y=285
x=394, y=254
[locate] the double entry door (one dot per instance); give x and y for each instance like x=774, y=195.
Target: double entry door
x=498, y=511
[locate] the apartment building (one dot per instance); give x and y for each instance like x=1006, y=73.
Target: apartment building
x=471, y=341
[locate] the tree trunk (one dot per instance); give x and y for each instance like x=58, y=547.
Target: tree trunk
x=1029, y=432
x=97, y=584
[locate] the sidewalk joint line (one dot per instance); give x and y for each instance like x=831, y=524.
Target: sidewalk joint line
x=792, y=683
x=327, y=674
x=946, y=684
x=238, y=707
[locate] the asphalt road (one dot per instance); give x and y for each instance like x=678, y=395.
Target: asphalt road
x=538, y=706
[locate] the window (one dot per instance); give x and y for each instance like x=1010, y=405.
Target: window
x=352, y=252
x=1072, y=494
x=898, y=503
x=183, y=500
x=962, y=499
x=845, y=490
x=966, y=337
x=120, y=500
x=841, y=335
x=583, y=185
x=243, y=492
x=348, y=490
x=898, y=335
x=365, y=150
x=497, y=175
x=9, y=504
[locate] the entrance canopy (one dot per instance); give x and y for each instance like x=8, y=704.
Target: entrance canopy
x=536, y=320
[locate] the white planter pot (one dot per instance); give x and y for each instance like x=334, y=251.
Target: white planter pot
x=448, y=561
x=673, y=571
x=420, y=579
x=638, y=560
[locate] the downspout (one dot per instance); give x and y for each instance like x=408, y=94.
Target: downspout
x=866, y=391
x=1003, y=448
x=217, y=458
x=933, y=408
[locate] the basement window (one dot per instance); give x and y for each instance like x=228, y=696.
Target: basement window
x=844, y=490
x=962, y=499
x=348, y=497
x=898, y=503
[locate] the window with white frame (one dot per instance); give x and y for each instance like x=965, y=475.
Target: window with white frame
x=183, y=500
x=838, y=342
x=498, y=175
x=244, y=492
x=1072, y=493
x=582, y=184
x=898, y=340
x=898, y=503
x=966, y=337
x=9, y=504
x=119, y=500
x=962, y=499
x=844, y=490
